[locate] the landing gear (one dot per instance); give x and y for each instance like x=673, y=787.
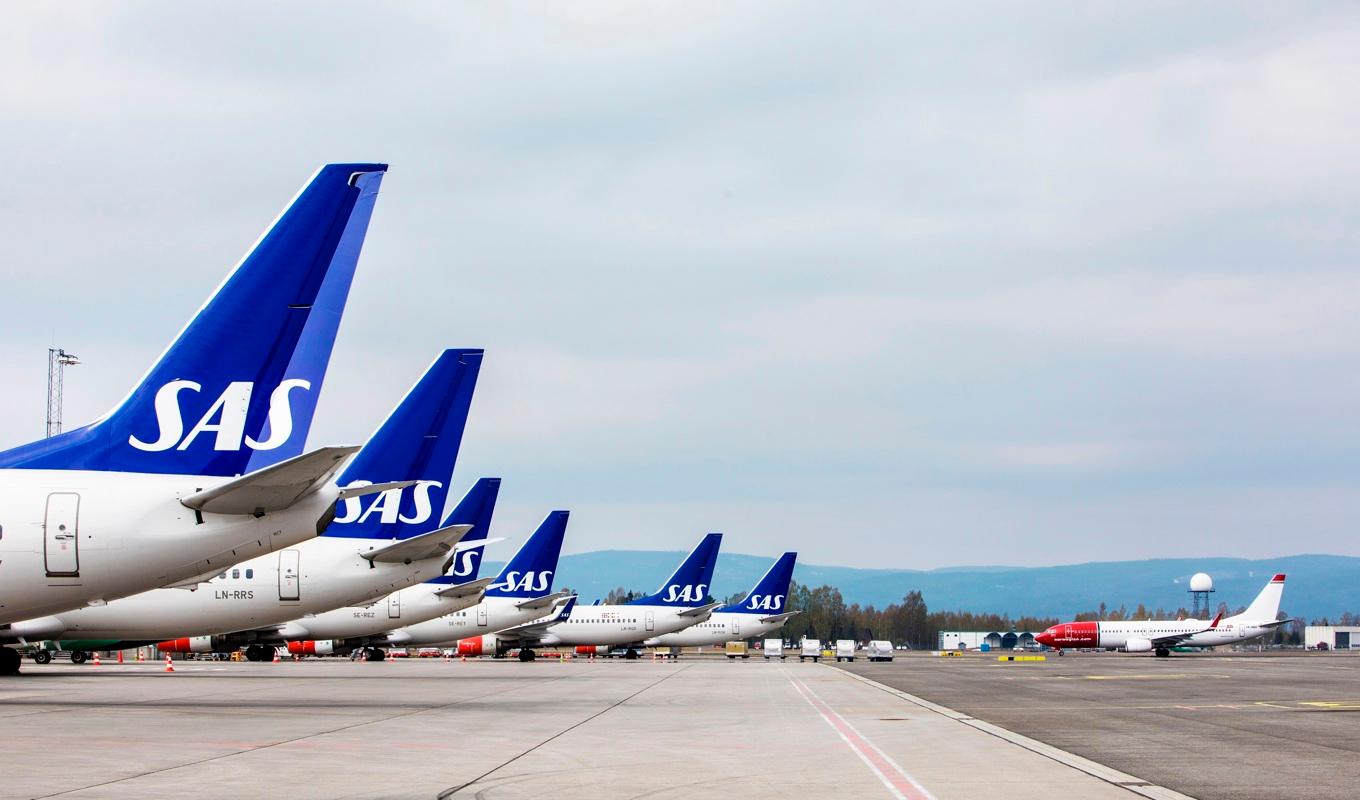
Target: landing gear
x=258, y=652
x=42, y=657
x=630, y=654
x=79, y=656
x=1162, y=652
x=10, y=661
x=527, y=654
x=375, y=654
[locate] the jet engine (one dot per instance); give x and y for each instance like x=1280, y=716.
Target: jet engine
x=474, y=646
x=1138, y=646
x=592, y=649
x=312, y=648
x=193, y=644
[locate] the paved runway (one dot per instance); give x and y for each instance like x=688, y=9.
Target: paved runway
x=1210, y=725
x=427, y=729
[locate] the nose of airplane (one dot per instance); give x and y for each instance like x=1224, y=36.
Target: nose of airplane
x=1045, y=638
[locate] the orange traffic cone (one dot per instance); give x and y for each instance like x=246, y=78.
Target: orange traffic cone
x=120, y=656
x=462, y=657
x=96, y=659
x=169, y=665
x=140, y=655
x=276, y=655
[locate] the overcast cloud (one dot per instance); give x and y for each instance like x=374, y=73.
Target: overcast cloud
x=888, y=285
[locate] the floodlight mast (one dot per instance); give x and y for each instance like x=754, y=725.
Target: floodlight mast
x=57, y=361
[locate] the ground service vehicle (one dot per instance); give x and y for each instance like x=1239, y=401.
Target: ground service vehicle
x=812, y=648
x=737, y=650
x=774, y=648
x=845, y=650
x=879, y=650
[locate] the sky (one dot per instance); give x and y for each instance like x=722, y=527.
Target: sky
x=892, y=285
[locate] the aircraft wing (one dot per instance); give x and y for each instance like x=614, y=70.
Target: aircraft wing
x=273, y=488
x=702, y=612
x=465, y=589
x=778, y=617
x=533, y=631
x=434, y=544
x=1174, y=639
x=545, y=602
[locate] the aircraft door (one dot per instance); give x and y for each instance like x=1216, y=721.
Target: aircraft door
x=289, y=577
x=481, y=615
x=61, y=545
x=736, y=626
x=651, y=621
x=394, y=605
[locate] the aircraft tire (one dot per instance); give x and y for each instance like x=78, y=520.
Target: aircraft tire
x=257, y=652
x=10, y=661
x=42, y=657
x=526, y=655
x=79, y=657
x=1162, y=652
x=375, y=654
x=631, y=654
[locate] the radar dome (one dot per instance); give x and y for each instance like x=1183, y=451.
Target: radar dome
x=1201, y=582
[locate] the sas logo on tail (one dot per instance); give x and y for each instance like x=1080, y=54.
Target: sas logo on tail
x=765, y=602
x=225, y=418
x=387, y=505
x=693, y=593
x=529, y=581
x=465, y=562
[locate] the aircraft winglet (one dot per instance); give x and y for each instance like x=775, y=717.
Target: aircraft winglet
x=465, y=589
x=273, y=488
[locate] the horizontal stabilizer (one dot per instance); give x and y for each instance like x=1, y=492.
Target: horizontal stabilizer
x=372, y=488
x=434, y=544
x=272, y=488
x=700, y=611
x=777, y=617
x=545, y=602
x=465, y=589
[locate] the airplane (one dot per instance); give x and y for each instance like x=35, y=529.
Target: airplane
x=520, y=594
x=201, y=465
x=350, y=628
x=374, y=544
x=681, y=602
x=1159, y=636
x=759, y=613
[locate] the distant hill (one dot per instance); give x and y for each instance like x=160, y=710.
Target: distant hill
x=1318, y=585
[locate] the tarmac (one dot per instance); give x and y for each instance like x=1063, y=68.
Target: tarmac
x=426, y=728
x=1270, y=726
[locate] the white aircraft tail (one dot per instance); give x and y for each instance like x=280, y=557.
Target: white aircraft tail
x=1266, y=606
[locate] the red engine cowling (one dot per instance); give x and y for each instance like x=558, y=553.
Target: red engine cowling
x=192, y=644
x=592, y=650
x=311, y=648
x=474, y=646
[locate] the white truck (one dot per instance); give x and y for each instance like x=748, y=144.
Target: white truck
x=879, y=650
x=812, y=648
x=845, y=650
x=774, y=648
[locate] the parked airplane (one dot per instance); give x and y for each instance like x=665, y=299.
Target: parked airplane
x=760, y=613
x=1159, y=636
x=199, y=467
x=374, y=544
x=346, y=629
x=680, y=602
x=521, y=593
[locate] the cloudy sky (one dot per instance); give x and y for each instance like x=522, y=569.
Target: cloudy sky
x=888, y=285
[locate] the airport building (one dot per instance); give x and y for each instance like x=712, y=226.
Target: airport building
x=994, y=640
x=1332, y=637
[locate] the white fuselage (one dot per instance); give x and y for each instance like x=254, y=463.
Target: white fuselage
x=491, y=615
x=720, y=628
x=314, y=577
x=617, y=625
x=1229, y=631
x=414, y=605
x=72, y=537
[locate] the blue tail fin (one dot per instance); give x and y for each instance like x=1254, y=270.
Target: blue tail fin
x=237, y=388
x=530, y=572
x=474, y=509
x=689, y=585
x=769, y=594
x=418, y=442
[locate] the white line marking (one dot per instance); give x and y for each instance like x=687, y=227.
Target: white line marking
x=899, y=783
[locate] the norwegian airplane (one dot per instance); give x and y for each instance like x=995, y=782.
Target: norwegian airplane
x=374, y=544
x=1159, y=636
x=760, y=613
x=201, y=465
x=520, y=593
x=681, y=602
